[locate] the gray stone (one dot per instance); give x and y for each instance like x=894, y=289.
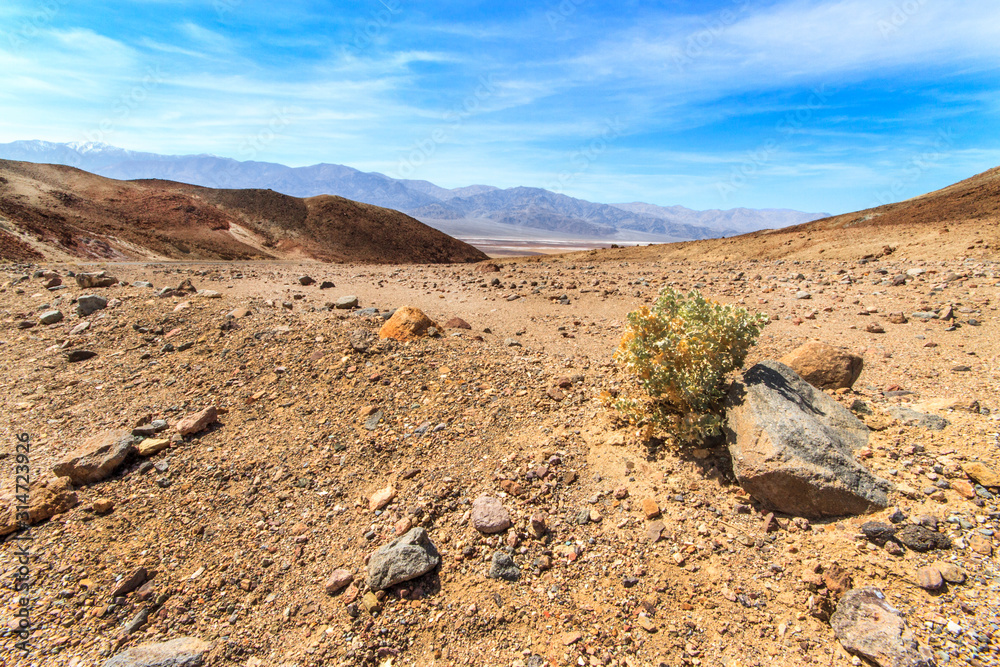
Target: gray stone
x=868, y=626
x=98, y=279
x=914, y=418
x=75, y=356
x=489, y=515
x=180, y=652
x=96, y=458
x=346, y=302
x=502, y=566
x=792, y=446
x=922, y=539
x=407, y=557
x=878, y=532
x=51, y=317
x=142, y=283
x=88, y=304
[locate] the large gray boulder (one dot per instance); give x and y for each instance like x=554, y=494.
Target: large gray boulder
x=88, y=304
x=792, y=446
x=405, y=558
x=868, y=626
x=180, y=652
x=96, y=458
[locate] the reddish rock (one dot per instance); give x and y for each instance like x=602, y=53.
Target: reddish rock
x=650, y=508
x=338, y=580
x=96, y=458
x=824, y=366
x=49, y=496
x=406, y=324
x=382, y=497
x=489, y=515
x=457, y=323
x=198, y=421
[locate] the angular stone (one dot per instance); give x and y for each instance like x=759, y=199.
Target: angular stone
x=951, y=573
x=407, y=323
x=650, y=508
x=88, y=304
x=980, y=473
x=913, y=418
x=929, y=578
x=382, y=497
x=129, y=584
x=457, y=323
x=75, y=356
x=98, y=279
x=825, y=366
x=921, y=539
x=877, y=532
x=407, y=557
x=96, y=458
x=103, y=505
x=51, y=317
x=346, y=302
x=502, y=566
x=792, y=446
x=198, y=421
x=151, y=446
x=306, y=280
x=338, y=580
x=868, y=626
x=489, y=515
x=49, y=496
x=180, y=652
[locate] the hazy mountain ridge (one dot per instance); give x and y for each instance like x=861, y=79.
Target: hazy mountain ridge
x=523, y=207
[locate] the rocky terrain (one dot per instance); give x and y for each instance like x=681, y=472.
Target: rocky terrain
x=63, y=213
x=224, y=456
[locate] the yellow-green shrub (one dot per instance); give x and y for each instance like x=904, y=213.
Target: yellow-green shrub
x=681, y=350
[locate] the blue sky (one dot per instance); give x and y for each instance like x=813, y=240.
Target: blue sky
x=818, y=105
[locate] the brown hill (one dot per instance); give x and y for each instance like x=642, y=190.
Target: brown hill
x=63, y=213
x=960, y=220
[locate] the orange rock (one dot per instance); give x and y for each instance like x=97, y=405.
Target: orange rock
x=407, y=323
x=650, y=508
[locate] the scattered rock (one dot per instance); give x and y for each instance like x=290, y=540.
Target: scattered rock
x=346, y=302
x=825, y=366
x=457, y=323
x=866, y=625
x=338, y=580
x=650, y=508
x=982, y=474
x=405, y=558
x=792, y=446
x=96, y=458
x=877, y=532
x=75, y=356
x=88, y=304
x=98, y=279
x=951, y=573
x=49, y=496
x=929, y=578
x=151, y=446
x=130, y=583
x=198, y=421
x=489, y=515
x=180, y=652
x=103, y=505
x=406, y=324
x=921, y=539
x=382, y=497
x=914, y=418
x=306, y=280
x=51, y=317
x=502, y=566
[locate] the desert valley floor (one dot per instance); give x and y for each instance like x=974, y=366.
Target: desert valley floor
x=231, y=535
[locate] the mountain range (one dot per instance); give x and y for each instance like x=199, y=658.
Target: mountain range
x=476, y=211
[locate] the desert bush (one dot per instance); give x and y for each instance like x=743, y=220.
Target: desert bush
x=681, y=350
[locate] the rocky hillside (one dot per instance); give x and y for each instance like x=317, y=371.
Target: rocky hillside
x=62, y=213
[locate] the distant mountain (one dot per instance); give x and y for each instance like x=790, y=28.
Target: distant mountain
x=60, y=212
x=726, y=223
x=482, y=211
